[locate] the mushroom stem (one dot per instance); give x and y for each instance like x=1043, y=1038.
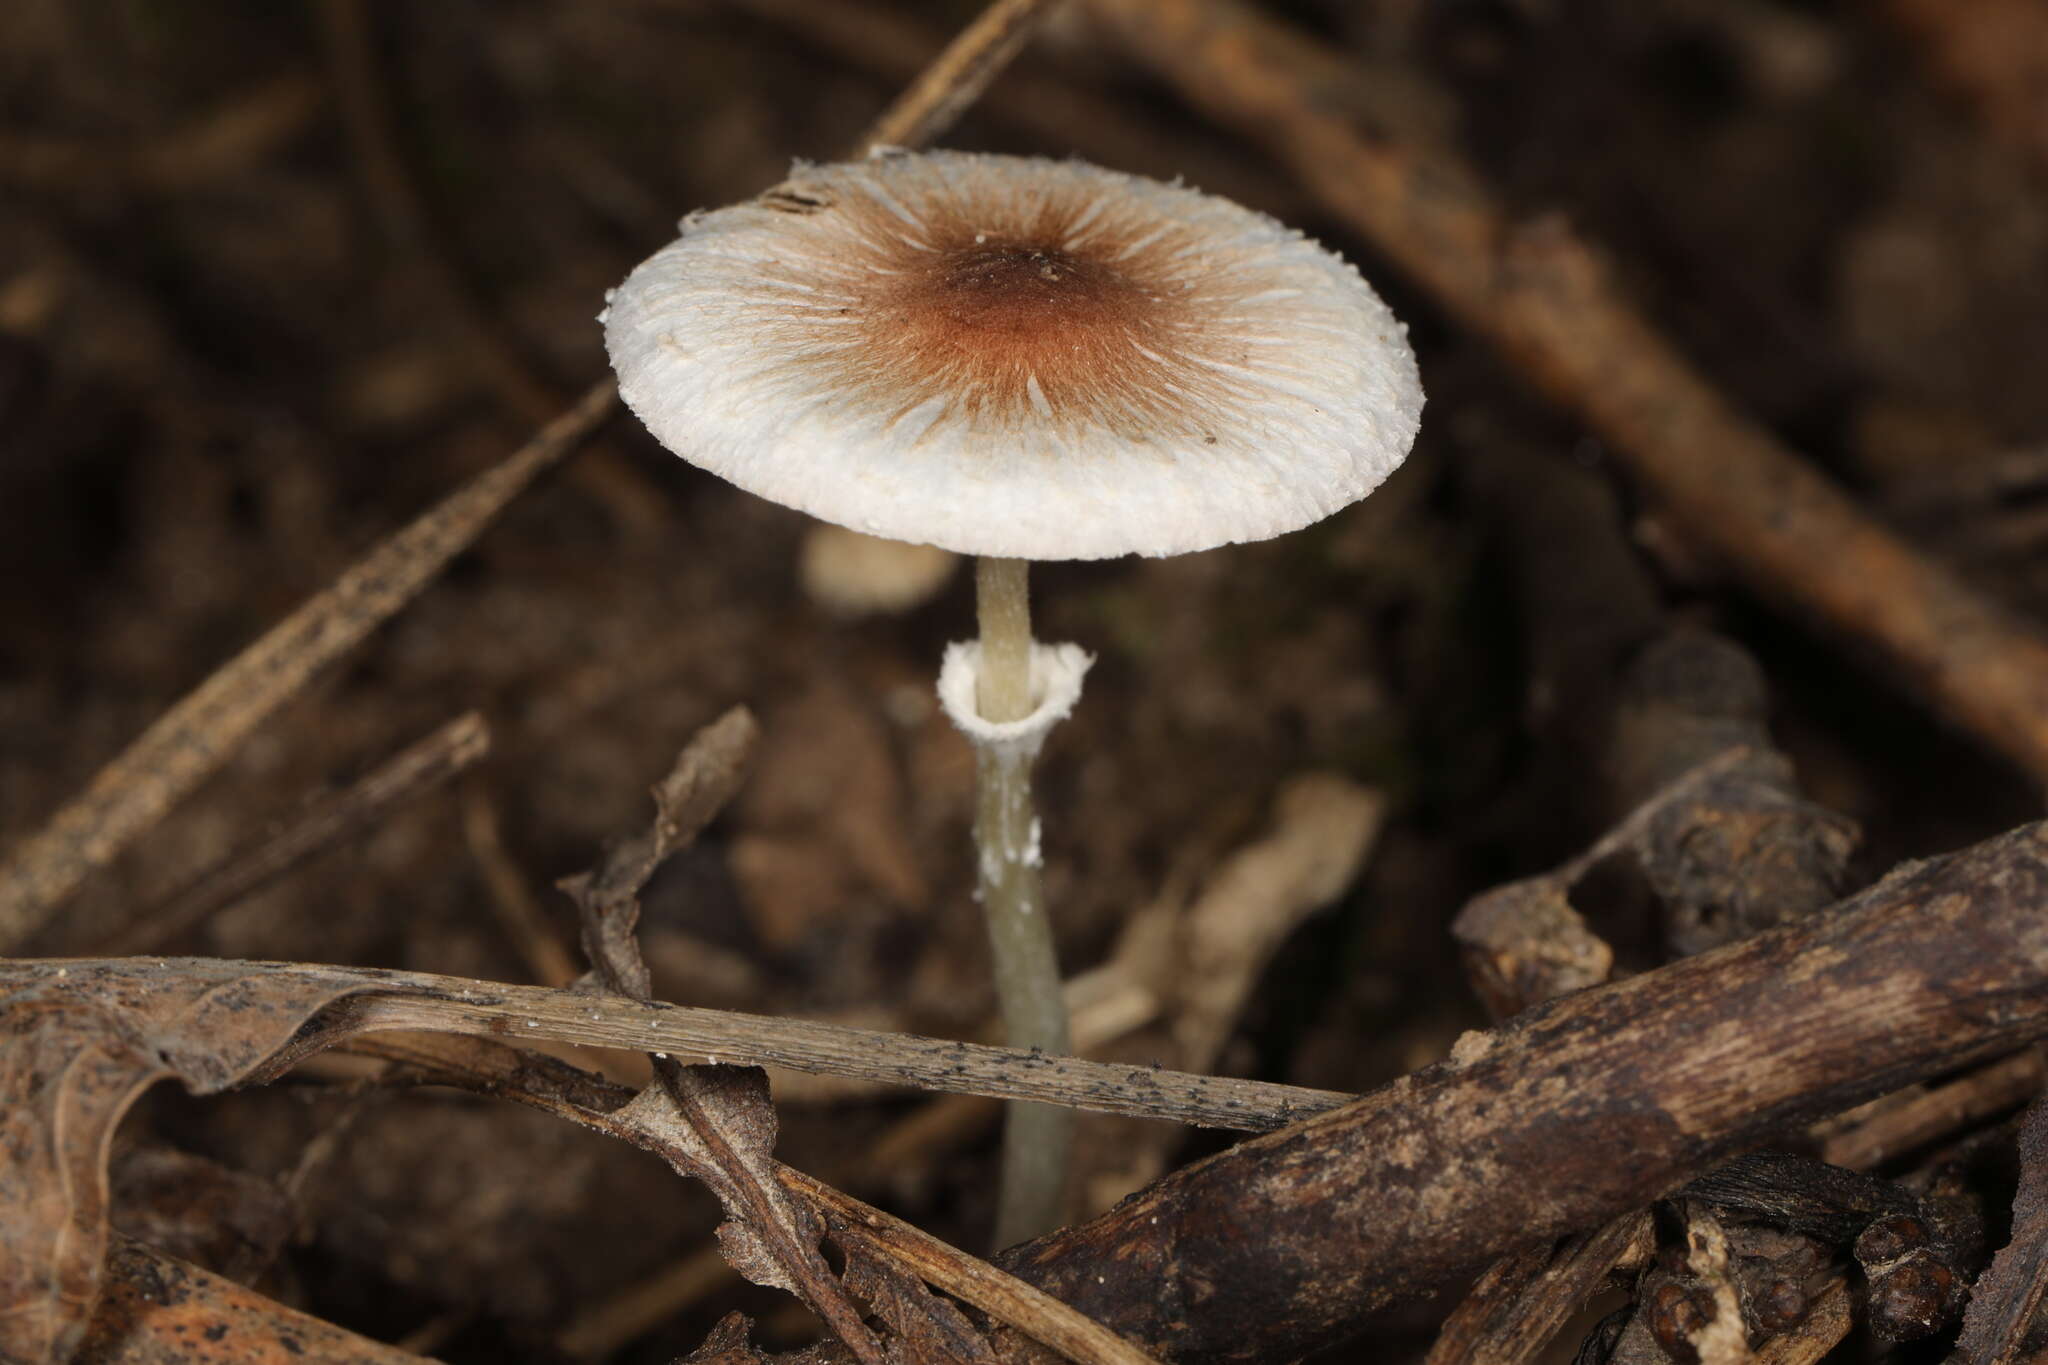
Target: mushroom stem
x=1002, y=600
x=1035, y=1136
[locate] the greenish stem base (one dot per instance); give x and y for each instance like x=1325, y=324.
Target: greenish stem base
x=1036, y=1137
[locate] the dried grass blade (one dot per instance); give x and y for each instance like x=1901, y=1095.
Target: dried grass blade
x=415, y=770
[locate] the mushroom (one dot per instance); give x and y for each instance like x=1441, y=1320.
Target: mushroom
x=1018, y=359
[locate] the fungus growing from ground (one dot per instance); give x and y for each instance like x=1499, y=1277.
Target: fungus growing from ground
x=1016, y=359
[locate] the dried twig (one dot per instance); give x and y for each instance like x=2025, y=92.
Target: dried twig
x=1545, y=298
x=485, y=1009
x=1724, y=838
x=1047, y=109
x=322, y=823
x=188, y=742
x=1563, y=1117
x=519, y=911
x=196, y=736
x=1524, y=943
x=729, y=1141
x=1912, y=1121
x=1649, y=698
x=956, y=77
x=1523, y=1300
x=973, y=1281
x=1747, y=850
x=597, y=1103
x=2002, y=1308
x=1569, y=1114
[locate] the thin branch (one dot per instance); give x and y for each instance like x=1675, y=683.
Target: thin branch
x=1524, y=943
x=413, y=772
x=1047, y=109
x=973, y=1281
x=956, y=78
x=198, y=734
x=2007, y=1294
x=518, y=1013
x=1937, y=1112
x=518, y=909
x=726, y=1114
x=1522, y=1301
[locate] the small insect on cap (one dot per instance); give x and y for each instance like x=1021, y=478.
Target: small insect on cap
x=1018, y=357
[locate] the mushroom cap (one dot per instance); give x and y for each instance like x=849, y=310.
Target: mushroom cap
x=1015, y=356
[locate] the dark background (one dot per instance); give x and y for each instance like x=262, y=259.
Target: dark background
x=274, y=277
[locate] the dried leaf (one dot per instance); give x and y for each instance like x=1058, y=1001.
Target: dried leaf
x=929, y=1330
x=727, y=1345
x=712, y=1122
x=79, y=1039
x=78, y=1043
x=728, y=1152
x=230, y=1222
x=704, y=778
x=158, y=1310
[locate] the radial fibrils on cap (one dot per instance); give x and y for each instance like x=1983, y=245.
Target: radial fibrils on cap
x=1017, y=357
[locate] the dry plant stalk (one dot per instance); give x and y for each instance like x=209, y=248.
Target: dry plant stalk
x=417, y=769
x=1908, y=1121
x=712, y=1122
x=1522, y=1301
x=956, y=77
x=407, y=1001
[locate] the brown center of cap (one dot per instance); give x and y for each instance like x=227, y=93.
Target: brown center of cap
x=1010, y=293
x=1008, y=326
